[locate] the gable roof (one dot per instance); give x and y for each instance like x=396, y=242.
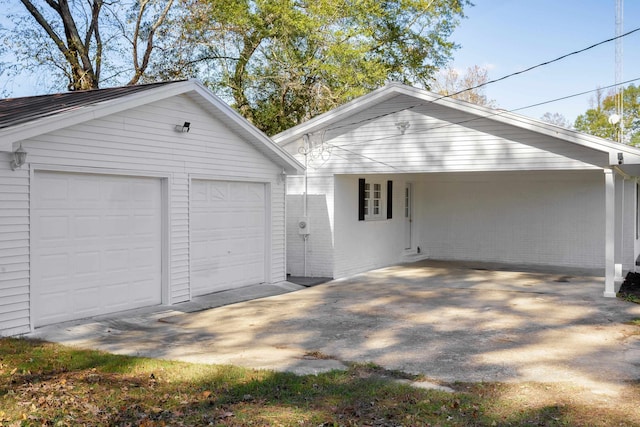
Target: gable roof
x=15, y=111
x=22, y=118
x=401, y=97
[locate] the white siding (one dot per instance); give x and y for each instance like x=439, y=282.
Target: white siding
x=14, y=248
x=439, y=140
x=179, y=238
x=435, y=143
x=552, y=219
x=138, y=142
x=319, y=245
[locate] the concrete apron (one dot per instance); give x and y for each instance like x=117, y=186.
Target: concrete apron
x=449, y=321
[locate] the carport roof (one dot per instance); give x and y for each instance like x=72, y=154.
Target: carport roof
x=368, y=108
x=23, y=118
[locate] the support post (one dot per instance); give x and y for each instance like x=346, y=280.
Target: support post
x=610, y=233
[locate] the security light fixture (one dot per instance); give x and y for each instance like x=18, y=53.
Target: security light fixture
x=19, y=157
x=183, y=128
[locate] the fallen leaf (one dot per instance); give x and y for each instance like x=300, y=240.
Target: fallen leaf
x=206, y=394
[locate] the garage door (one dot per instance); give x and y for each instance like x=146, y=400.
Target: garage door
x=227, y=235
x=96, y=245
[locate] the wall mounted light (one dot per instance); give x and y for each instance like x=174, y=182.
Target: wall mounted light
x=282, y=176
x=183, y=128
x=403, y=126
x=19, y=157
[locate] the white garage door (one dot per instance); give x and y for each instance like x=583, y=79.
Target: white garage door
x=96, y=245
x=227, y=235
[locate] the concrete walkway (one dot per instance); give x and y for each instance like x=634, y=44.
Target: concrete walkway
x=448, y=321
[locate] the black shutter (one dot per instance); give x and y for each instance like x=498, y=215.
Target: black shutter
x=361, y=199
x=389, y=199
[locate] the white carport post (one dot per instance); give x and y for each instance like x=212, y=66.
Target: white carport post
x=613, y=251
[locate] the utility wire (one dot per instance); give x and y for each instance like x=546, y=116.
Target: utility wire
x=574, y=95
x=543, y=63
x=497, y=113
x=494, y=81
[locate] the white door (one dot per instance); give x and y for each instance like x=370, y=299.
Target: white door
x=228, y=235
x=408, y=215
x=96, y=245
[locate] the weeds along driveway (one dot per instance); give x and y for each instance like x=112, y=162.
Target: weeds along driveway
x=447, y=321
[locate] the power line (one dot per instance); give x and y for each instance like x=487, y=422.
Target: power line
x=544, y=63
x=497, y=113
x=493, y=81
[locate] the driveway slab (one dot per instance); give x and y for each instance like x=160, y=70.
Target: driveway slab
x=448, y=321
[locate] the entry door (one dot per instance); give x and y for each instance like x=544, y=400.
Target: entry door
x=408, y=215
x=228, y=235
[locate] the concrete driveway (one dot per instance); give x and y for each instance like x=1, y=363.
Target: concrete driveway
x=448, y=321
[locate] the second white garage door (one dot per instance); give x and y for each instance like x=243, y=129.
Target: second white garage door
x=96, y=245
x=228, y=235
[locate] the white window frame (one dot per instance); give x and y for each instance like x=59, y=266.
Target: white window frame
x=375, y=207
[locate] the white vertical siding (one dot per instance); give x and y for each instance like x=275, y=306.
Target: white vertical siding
x=14, y=248
x=138, y=142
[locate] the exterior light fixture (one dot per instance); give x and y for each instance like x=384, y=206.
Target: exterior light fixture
x=183, y=128
x=403, y=126
x=19, y=157
x=282, y=176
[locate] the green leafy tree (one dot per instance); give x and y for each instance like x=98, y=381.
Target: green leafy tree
x=281, y=62
x=595, y=121
x=83, y=43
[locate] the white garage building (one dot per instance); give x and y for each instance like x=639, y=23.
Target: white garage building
x=132, y=197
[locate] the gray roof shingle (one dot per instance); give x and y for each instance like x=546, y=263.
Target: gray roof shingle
x=15, y=111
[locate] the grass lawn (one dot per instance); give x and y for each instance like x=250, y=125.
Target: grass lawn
x=49, y=384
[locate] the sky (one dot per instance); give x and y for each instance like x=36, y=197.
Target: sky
x=506, y=36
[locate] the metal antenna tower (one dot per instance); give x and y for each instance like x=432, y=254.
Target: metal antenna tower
x=619, y=69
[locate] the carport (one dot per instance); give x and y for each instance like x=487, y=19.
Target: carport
x=402, y=174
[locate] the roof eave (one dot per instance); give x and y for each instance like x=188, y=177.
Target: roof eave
x=631, y=154
x=14, y=134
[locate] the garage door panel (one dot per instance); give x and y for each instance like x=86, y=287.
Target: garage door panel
x=109, y=240
x=227, y=235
